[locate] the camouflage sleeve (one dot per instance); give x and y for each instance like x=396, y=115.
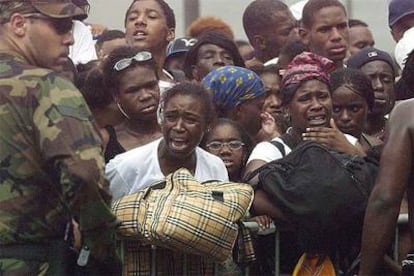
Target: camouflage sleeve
x=72, y=149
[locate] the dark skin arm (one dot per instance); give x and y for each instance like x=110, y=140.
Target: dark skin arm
x=332, y=138
x=262, y=205
x=393, y=180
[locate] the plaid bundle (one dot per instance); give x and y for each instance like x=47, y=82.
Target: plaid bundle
x=186, y=215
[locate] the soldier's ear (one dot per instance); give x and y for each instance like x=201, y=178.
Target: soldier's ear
x=18, y=24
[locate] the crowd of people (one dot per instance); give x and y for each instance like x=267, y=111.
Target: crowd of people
x=89, y=115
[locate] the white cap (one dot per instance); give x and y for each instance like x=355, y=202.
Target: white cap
x=404, y=47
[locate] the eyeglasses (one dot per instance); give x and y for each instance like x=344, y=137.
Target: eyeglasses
x=60, y=25
x=126, y=62
x=233, y=145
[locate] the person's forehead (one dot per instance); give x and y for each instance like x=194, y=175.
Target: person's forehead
x=145, y=5
x=223, y=131
x=359, y=30
x=329, y=16
x=138, y=73
x=281, y=15
x=185, y=102
x=211, y=47
x=344, y=91
x=312, y=84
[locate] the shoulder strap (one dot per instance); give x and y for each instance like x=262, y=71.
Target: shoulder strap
x=289, y=140
x=279, y=146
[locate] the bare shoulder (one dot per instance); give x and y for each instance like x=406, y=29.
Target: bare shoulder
x=402, y=116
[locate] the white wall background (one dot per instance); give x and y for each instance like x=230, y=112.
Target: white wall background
x=374, y=12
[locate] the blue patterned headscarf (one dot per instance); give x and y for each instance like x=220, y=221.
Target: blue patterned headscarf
x=231, y=85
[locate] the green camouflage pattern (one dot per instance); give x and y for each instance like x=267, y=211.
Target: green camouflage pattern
x=51, y=164
x=51, y=8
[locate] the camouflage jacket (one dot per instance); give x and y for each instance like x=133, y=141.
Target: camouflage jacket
x=51, y=164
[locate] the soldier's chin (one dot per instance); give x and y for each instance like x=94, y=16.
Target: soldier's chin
x=60, y=65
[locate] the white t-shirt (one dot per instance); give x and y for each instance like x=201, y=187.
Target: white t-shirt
x=83, y=49
x=404, y=47
x=268, y=152
x=138, y=168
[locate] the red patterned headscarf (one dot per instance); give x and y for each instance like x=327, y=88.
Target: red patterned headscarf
x=307, y=66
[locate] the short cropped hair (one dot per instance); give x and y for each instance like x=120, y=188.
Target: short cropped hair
x=259, y=15
x=90, y=84
x=109, y=35
x=195, y=90
x=313, y=6
x=356, y=22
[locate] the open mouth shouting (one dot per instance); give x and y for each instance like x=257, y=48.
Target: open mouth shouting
x=140, y=35
x=318, y=120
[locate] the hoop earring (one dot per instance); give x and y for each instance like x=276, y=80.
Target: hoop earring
x=122, y=110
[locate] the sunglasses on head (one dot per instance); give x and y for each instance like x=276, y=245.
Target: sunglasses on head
x=60, y=25
x=126, y=62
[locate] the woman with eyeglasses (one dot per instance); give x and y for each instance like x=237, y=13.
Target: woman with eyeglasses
x=229, y=141
x=131, y=76
x=187, y=114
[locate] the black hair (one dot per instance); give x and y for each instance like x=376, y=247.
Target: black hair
x=90, y=84
x=245, y=137
x=112, y=76
x=259, y=16
x=313, y=6
x=194, y=90
x=357, y=80
x=211, y=37
x=108, y=35
x=168, y=13
x=356, y=22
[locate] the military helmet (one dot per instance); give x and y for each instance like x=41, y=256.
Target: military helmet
x=51, y=8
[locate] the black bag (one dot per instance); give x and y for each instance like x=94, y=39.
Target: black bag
x=324, y=193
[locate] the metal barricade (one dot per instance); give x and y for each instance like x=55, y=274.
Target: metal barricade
x=254, y=227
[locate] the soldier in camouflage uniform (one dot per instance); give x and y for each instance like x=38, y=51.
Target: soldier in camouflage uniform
x=51, y=165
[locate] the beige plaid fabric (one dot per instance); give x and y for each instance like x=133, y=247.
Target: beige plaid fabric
x=186, y=215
